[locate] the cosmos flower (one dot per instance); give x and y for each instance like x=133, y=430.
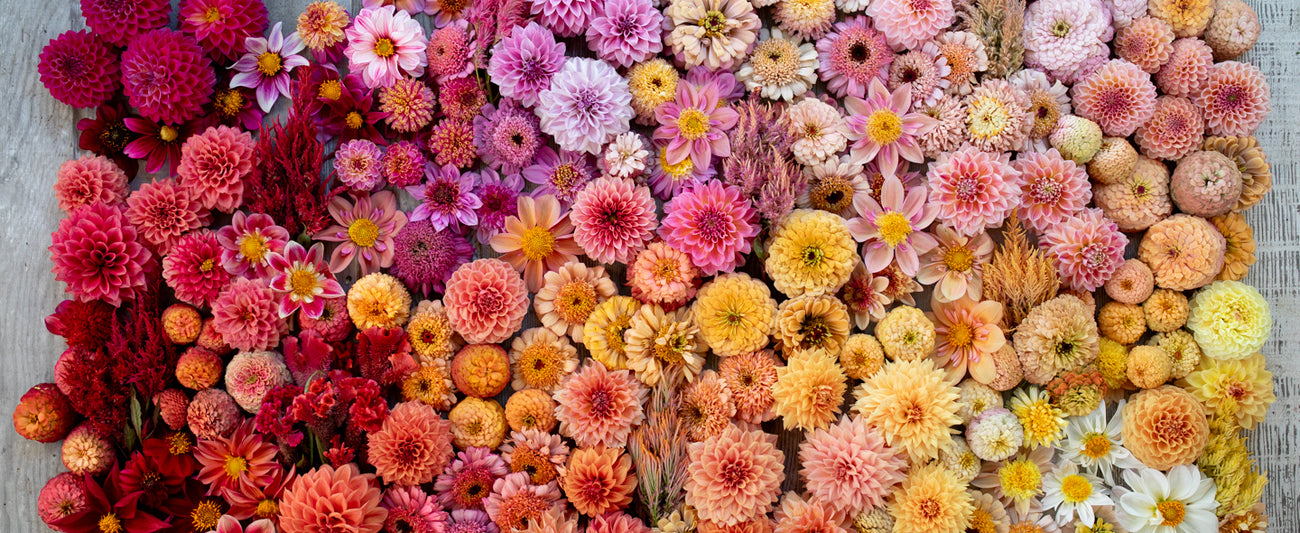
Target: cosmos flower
x=267, y=65
x=365, y=230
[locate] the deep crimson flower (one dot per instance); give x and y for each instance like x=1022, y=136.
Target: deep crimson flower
x=157, y=143
x=261, y=500
x=144, y=474
x=350, y=111
x=110, y=508
x=81, y=324
x=107, y=135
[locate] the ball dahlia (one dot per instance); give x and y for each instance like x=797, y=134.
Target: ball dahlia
x=598, y=406
x=1234, y=99
x=1174, y=130
x=486, y=300
x=1088, y=247
x=245, y=315
x=90, y=179
x=713, y=223
x=734, y=477
x=1119, y=96
x=166, y=76
x=613, y=219
x=117, y=22
x=586, y=106
x=96, y=252
x=79, y=69
x=848, y=467
x=1165, y=427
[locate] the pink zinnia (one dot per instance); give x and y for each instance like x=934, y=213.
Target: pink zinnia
x=245, y=316
x=852, y=56
x=893, y=229
x=486, y=301
x=908, y=24
x=221, y=26
x=1051, y=188
x=193, y=268
x=214, y=164
x=883, y=127
x=1119, y=97
x=302, y=280
x=613, y=219
x=267, y=65
x=79, y=69
x=164, y=211
x=625, y=32
x=249, y=241
x=968, y=335
x=385, y=44
x=596, y=406
x=1087, y=247
x=734, y=477
x=452, y=52
x=848, y=466
x=469, y=478
x=412, y=510
x=90, y=179
x=365, y=228
x=695, y=124
x=96, y=253
x=523, y=63
x=713, y=223
x=973, y=190
x=446, y=199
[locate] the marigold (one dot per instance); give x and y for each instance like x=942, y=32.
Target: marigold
x=735, y=314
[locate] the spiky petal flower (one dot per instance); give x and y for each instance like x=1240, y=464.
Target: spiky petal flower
x=1052, y=188
x=912, y=404
x=96, y=252
x=613, y=219
x=893, y=229
x=326, y=498
x=598, y=406
x=303, y=280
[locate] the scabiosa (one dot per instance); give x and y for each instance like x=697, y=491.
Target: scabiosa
x=625, y=32
x=1174, y=130
x=96, y=252
x=587, y=104
x=909, y=23
x=711, y=222
x=244, y=314
x=597, y=406
x=523, y=63
x=383, y=44
x=1051, y=188
x=1234, y=99
x=1088, y=247
x=1119, y=96
x=613, y=219
x=163, y=211
x=852, y=55
x=883, y=127
x=90, y=180
x=734, y=477
x=1188, y=67
x=118, y=22
x=452, y=52
x=507, y=136
x=365, y=228
x=221, y=26
x=408, y=104
x=715, y=33
x=166, y=76
x=469, y=478
x=403, y=164
x=997, y=116
x=79, y=69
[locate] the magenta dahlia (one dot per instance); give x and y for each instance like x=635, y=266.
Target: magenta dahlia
x=523, y=63
x=507, y=136
x=1087, y=247
x=1052, y=188
x=973, y=190
x=267, y=66
x=166, y=76
x=221, y=26
x=613, y=219
x=79, y=69
x=446, y=198
x=193, y=268
x=852, y=55
x=117, y=21
x=1119, y=97
x=96, y=252
x=625, y=32
x=713, y=223
x=403, y=164
x=427, y=256
x=163, y=211
x=245, y=316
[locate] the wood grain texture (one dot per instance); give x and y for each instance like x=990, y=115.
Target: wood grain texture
x=40, y=135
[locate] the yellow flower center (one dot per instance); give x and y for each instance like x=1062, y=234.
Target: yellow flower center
x=537, y=243
x=384, y=48
x=212, y=15
x=675, y=171
x=330, y=90
x=666, y=271
x=363, y=232
x=168, y=133
x=565, y=177
x=614, y=333
x=1171, y=512
x=961, y=335
x=253, y=248
x=207, y=265
x=693, y=124
x=575, y=300
x=982, y=522
x=1096, y=446
x=179, y=444
x=109, y=523
x=893, y=227
x=235, y=466
x=884, y=126
x=1076, y=489
x=269, y=63
x=1020, y=479
x=713, y=23
x=267, y=509
x=958, y=259
x=353, y=120
x=206, y=516
x=812, y=256
x=1039, y=420
x=228, y=102
x=302, y=283
x=539, y=365
x=987, y=118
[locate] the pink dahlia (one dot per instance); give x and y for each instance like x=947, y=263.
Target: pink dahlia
x=1234, y=99
x=625, y=32
x=1174, y=131
x=452, y=52
x=79, y=69
x=193, y=268
x=613, y=219
x=515, y=502
x=327, y=499
x=507, y=136
x=1119, y=97
x=586, y=106
x=596, y=406
x=1052, y=188
x=412, y=510
x=852, y=55
x=734, y=477
x=426, y=257
x=163, y=211
x=214, y=164
x=523, y=63
x=359, y=164
x=447, y=198
x=1147, y=42
x=616, y=522
x=893, y=229
x=848, y=466
x=166, y=76
x=117, y=22
x=1062, y=35
x=883, y=127
x=795, y=515
x=1087, y=247
x=365, y=228
x=695, y=124
x=221, y=26
x=245, y=316
x=973, y=190
x=413, y=445
x=713, y=223
x=302, y=280
x=486, y=300
x=403, y=164
x=562, y=173
x=908, y=24
x=90, y=180
x=96, y=252
x=267, y=66
x=249, y=241
x=567, y=18
x=385, y=44
x=469, y=478
x=1187, y=69
x=500, y=199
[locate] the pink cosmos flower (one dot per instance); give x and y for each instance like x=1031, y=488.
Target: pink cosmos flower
x=447, y=199
x=266, y=66
x=228, y=524
x=302, y=280
x=365, y=229
x=384, y=44
x=249, y=242
x=893, y=229
x=695, y=125
x=883, y=128
x=968, y=335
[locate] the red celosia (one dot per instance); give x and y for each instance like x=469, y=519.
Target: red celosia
x=306, y=355
x=274, y=417
x=384, y=355
x=287, y=182
x=138, y=348
x=81, y=324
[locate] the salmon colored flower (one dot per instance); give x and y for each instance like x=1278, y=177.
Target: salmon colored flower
x=538, y=240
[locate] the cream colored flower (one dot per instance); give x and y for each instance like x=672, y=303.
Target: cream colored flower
x=658, y=341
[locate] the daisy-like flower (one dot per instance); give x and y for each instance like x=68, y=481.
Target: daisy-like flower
x=1048, y=102
x=966, y=57
x=925, y=70
x=384, y=44
x=1018, y=482
x=537, y=453
x=447, y=198
x=302, y=280
x=973, y=190
x=967, y=335
x=569, y=296
x=515, y=502
x=781, y=67
x=1097, y=444
x=267, y=64
x=249, y=242
x=816, y=131
x=603, y=332
x=658, y=341
x=469, y=478
x=956, y=266
x=864, y=296
x=366, y=230
x=1180, y=502
x=587, y=104
x=852, y=55
x=562, y=173
x=1044, y=422
x=538, y=240
x=714, y=33
x=883, y=127
x=695, y=124
x=893, y=229
x=541, y=359
x=1073, y=494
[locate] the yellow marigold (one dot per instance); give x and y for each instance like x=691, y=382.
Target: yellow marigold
x=1149, y=366
x=430, y=333
x=659, y=341
x=603, y=332
x=531, y=409
x=1124, y=323
x=931, y=499
x=1165, y=427
x=1245, y=381
x=378, y=301
x=810, y=252
x=906, y=334
x=651, y=83
x=431, y=385
x=913, y=406
x=478, y=422
x=539, y=359
x=812, y=322
x=1240, y=253
x=1112, y=361
x=1188, y=17
x=735, y=314
x=862, y=356
x=569, y=296
x=1231, y=320
x=809, y=390
x=1165, y=310
x=1043, y=422
x=1182, y=349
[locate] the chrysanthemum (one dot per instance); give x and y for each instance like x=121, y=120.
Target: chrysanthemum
x=587, y=104
x=734, y=477
x=79, y=69
x=327, y=497
x=1052, y=188
x=365, y=227
x=973, y=190
x=625, y=32
x=931, y=499
x=117, y=22
x=384, y=44
x=1119, y=96
x=909, y=24
x=810, y=252
x=486, y=301
x=912, y=405
x=1184, y=252
x=1230, y=320
x=537, y=453
x=659, y=341
x=997, y=116
x=462, y=98
x=378, y=300
x=1061, y=36
x=713, y=223
x=613, y=219
x=651, y=84
x=848, y=467
x=1088, y=247
x=515, y=502
x=321, y=27
x=883, y=128
x=452, y=143
x=893, y=229
x=1044, y=423
x=1180, y=502
x=603, y=333
x=735, y=314
x=598, y=406
x=166, y=76
x=694, y=125
x=408, y=104
x=523, y=63
x=599, y=480
x=163, y=211
x=715, y=33
x=781, y=67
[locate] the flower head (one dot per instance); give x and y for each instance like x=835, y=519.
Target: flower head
x=365, y=230
x=569, y=296
x=426, y=257
x=166, y=76
x=79, y=69
x=931, y=499
x=892, y=229
x=613, y=219
x=538, y=240
x=848, y=466
x=883, y=127
x=625, y=32
x=715, y=33
x=303, y=280
x=734, y=477
x=598, y=406
x=909, y=24
x=967, y=336
x=587, y=104
x=1181, y=501
x=972, y=189
x=384, y=44
x=267, y=64
x=524, y=61
x=912, y=405
x=96, y=253
x=695, y=124
x=1088, y=248
x=1119, y=96
x=599, y=480
x=711, y=222
x=486, y=301
x=332, y=498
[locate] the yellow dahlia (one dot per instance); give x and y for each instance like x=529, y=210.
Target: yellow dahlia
x=1043, y=422
x=430, y=334
x=735, y=314
x=913, y=406
x=811, y=322
x=1231, y=320
x=569, y=295
x=809, y=390
x=660, y=341
x=933, y=500
x=810, y=252
x=1244, y=381
x=603, y=332
x=378, y=301
x=539, y=359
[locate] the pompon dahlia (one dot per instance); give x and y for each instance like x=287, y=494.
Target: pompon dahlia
x=599, y=480
x=1052, y=188
x=523, y=63
x=1062, y=35
x=625, y=32
x=403, y=164
x=734, y=477
x=713, y=223
x=598, y=406
x=96, y=253
x=384, y=44
x=515, y=502
x=413, y=445
x=852, y=55
x=359, y=164
x=1234, y=99
x=1118, y=96
x=848, y=467
x=486, y=300
x=1059, y=334
x=166, y=76
x=1147, y=43
x=214, y=164
x=221, y=26
x=1184, y=252
x=90, y=179
x=908, y=24
x=326, y=498
x=715, y=33
x=245, y=315
x=931, y=499
x=469, y=478
x=913, y=406
x=79, y=69
x=117, y=22
x=973, y=190
x=1187, y=69
x=613, y=219
x=1165, y=427
x=163, y=211
x=1174, y=130
x=1088, y=247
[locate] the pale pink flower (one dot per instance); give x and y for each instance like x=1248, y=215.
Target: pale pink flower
x=966, y=337
x=384, y=44
x=956, y=265
x=893, y=228
x=883, y=128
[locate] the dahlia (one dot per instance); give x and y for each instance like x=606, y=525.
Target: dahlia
x=569, y=296
x=911, y=404
x=267, y=65
x=408, y=104
x=96, y=253
x=598, y=406
x=1234, y=99
x=411, y=509
x=694, y=125
x=587, y=104
x=452, y=142
x=1230, y=319
x=625, y=32
x=515, y=502
x=471, y=521
x=659, y=342
x=909, y=24
x=613, y=219
x=612, y=522
x=796, y=514
x=848, y=467
x=1188, y=67
x=997, y=116
x=781, y=67
x=1243, y=382
x=715, y=33
x=384, y=44
x=531, y=409
x=507, y=136
x=541, y=359
x=1088, y=248
x=810, y=252
x=1053, y=188
x=713, y=223
x=1119, y=96
x=817, y=131
x=603, y=333
x=973, y=190
x=117, y=22
x=1184, y=252
x=832, y=184
x=245, y=315
x=812, y=322
x=1174, y=130
x=212, y=413
x=523, y=63
x=893, y=229
x=626, y=156
x=228, y=463
x=413, y=446
x=1165, y=427
x=734, y=477
x=365, y=227
x=214, y=164
x=453, y=52
x=326, y=497
x=163, y=212
x=1240, y=252
x=931, y=498
x=1147, y=42
x=378, y=300
x=1061, y=36
x=486, y=301
x=90, y=180
x=540, y=237
x=321, y=26
x=599, y=480
x=79, y=69
x=221, y=26
x=167, y=77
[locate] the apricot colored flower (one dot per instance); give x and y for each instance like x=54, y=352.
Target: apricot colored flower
x=538, y=240
x=735, y=477
x=599, y=480
x=809, y=390
x=1165, y=427
x=569, y=296
x=735, y=313
x=413, y=445
x=967, y=335
x=912, y=404
x=598, y=406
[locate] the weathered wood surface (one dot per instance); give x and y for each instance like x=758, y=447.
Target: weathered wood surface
x=40, y=134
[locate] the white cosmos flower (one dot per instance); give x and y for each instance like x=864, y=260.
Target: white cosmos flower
x=1181, y=502
x=1097, y=445
x=1072, y=493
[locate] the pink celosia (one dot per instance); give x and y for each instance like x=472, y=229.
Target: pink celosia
x=1087, y=247
x=384, y=44
x=596, y=406
x=1051, y=188
x=613, y=219
x=883, y=127
x=973, y=190
x=96, y=252
x=248, y=243
x=713, y=223
x=893, y=229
